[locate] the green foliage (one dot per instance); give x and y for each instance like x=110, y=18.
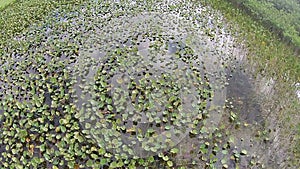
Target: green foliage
x=282, y=16
x=277, y=59
x=4, y=3
x=40, y=122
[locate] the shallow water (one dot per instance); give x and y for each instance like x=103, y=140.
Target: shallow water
x=241, y=92
x=236, y=110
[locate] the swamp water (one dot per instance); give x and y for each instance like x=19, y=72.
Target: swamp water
x=168, y=83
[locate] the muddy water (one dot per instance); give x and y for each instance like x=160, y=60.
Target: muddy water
x=255, y=129
x=246, y=102
x=243, y=100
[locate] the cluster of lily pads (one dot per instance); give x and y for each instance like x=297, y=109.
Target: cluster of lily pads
x=112, y=84
x=143, y=104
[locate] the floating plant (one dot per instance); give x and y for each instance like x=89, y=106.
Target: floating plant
x=115, y=84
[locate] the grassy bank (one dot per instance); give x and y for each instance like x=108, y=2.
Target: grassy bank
x=262, y=43
x=280, y=16
x=4, y=3
x=272, y=58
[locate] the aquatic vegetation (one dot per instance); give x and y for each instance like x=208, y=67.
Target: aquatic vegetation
x=159, y=84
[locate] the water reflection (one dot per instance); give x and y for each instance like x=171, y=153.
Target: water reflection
x=241, y=92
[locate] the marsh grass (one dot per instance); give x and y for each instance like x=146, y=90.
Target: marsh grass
x=272, y=58
x=4, y=3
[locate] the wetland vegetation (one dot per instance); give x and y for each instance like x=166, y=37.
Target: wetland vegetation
x=280, y=16
x=157, y=84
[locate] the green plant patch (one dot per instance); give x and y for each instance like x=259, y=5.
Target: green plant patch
x=4, y=3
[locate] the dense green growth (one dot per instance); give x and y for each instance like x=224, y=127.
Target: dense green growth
x=17, y=17
x=4, y=3
x=281, y=16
